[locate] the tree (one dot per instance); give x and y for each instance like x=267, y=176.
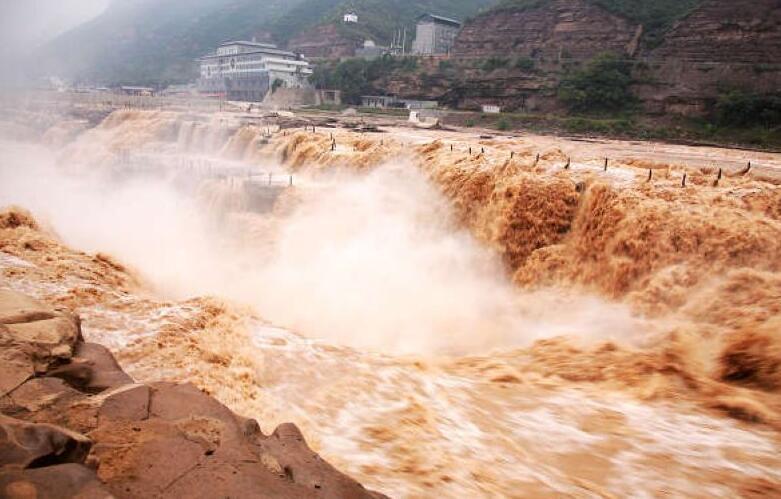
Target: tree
x=743, y=109
x=603, y=85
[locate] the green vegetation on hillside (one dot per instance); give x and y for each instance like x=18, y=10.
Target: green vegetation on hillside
x=356, y=77
x=156, y=42
x=739, y=108
x=378, y=20
x=602, y=86
x=627, y=126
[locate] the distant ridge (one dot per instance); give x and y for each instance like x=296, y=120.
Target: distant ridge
x=155, y=42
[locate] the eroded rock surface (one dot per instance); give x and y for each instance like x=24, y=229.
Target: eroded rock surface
x=73, y=423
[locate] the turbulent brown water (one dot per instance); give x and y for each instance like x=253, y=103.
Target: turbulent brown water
x=436, y=322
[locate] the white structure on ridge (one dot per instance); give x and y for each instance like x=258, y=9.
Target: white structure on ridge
x=351, y=17
x=435, y=35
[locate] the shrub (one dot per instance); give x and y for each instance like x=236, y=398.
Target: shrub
x=445, y=66
x=743, y=109
x=493, y=63
x=356, y=77
x=469, y=123
x=525, y=64
x=603, y=85
x=503, y=124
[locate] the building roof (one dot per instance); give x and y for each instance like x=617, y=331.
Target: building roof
x=263, y=50
x=440, y=19
x=249, y=44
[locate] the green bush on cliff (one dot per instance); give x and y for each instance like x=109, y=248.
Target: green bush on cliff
x=356, y=77
x=744, y=109
x=493, y=63
x=525, y=64
x=603, y=85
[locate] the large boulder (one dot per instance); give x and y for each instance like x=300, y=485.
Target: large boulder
x=30, y=445
x=59, y=481
x=33, y=338
x=72, y=423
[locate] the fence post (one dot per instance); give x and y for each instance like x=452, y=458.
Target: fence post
x=606, y=164
x=683, y=180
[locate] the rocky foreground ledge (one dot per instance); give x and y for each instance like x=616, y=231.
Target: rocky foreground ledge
x=72, y=423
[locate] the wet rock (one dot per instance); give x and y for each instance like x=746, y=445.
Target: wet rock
x=130, y=403
x=145, y=440
x=106, y=372
x=30, y=445
x=64, y=480
x=33, y=338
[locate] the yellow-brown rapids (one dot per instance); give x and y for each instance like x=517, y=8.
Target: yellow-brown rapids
x=440, y=322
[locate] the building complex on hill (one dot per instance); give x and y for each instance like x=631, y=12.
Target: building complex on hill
x=247, y=71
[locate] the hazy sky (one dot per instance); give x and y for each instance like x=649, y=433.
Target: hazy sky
x=26, y=22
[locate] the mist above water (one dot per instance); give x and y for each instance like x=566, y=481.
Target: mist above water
x=373, y=261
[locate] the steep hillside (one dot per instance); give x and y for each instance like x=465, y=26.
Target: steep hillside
x=749, y=32
x=154, y=41
x=656, y=16
x=552, y=30
x=378, y=20
x=720, y=46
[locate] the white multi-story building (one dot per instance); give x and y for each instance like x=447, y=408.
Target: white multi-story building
x=249, y=70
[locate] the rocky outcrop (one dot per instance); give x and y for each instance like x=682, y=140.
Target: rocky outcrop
x=324, y=41
x=513, y=56
x=561, y=29
x=720, y=45
x=745, y=31
x=72, y=423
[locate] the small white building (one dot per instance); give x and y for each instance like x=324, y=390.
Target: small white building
x=351, y=17
x=491, y=109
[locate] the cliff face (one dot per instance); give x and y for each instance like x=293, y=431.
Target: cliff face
x=747, y=31
x=465, y=84
x=324, y=41
x=566, y=29
x=719, y=45
x=544, y=38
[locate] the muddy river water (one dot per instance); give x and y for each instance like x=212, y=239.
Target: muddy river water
x=518, y=321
